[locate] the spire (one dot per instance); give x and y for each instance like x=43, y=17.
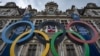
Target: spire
x=26, y=11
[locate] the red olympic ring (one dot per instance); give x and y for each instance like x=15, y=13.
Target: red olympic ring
x=94, y=37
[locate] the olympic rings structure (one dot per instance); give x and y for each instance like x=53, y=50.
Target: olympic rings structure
x=45, y=39
x=14, y=25
x=12, y=53
x=90, y=28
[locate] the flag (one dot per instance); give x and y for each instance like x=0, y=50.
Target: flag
x=51, y=28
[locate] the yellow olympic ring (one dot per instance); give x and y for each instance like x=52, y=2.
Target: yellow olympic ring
x=45, y=51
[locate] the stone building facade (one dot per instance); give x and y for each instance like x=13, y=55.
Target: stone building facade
x=11, y=13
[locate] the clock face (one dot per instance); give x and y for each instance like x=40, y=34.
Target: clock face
x=8, y=12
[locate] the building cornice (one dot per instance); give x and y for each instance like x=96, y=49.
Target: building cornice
x=2, y=17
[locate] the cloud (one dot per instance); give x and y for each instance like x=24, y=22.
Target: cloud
x=37, y=4
x=22, y=3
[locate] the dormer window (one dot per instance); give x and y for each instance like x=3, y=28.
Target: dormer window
x=95, y=12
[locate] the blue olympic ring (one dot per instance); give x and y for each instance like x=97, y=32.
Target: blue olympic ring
x=15, y=25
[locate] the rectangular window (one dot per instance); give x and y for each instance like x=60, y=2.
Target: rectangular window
x=13, y=21
x=64, y=22
x=87, y=21
x=99, y=41
x=3, y=23
x=32, y=50
x=95, y=12
x=1, y=43
x=0, y=40
x=70, y=50
x=37, y=22
x=97, y=23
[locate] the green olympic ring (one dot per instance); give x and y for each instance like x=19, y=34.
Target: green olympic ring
x=86, y=46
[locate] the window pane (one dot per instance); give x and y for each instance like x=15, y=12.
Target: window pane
x=32, y=50
x=70, y=50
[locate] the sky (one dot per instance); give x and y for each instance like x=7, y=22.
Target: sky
x=40, y=4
